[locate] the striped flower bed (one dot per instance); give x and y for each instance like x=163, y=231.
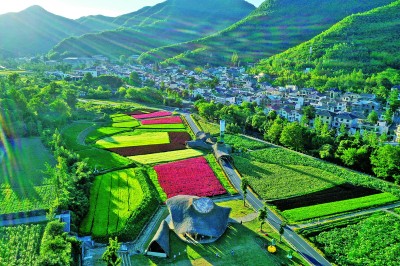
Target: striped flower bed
x=164, y=120
x=189, y=177
x=152, y=115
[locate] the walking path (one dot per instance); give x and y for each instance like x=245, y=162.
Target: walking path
x=139, y=244
x=248, y=218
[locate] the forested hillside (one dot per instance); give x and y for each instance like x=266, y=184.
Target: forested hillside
x=360, y=46
x=34, y=30
x=170, y=22
x=272, y=28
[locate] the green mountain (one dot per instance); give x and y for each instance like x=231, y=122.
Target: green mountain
x=369, y=41
x=34, y=30
x=166, y=23
x=98, y=23
x=272, y=28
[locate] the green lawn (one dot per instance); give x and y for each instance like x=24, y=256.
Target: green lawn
x=244, y=240
x=238, y=210
x=71, y=135
x=397, y=210
x=113, y=197
x=273, y=181
x=219, y=173
x=207, y=127
x=146, y=138
x=166, y=156
x=337, y=207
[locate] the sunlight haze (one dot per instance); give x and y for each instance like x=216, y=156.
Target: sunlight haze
x=75, y=9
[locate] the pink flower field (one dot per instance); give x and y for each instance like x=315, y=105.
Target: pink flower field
x=152, y=115
x=189, y=177
x=165, y=120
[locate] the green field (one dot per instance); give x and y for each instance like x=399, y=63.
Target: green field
x=97, y=158
x=124, y=121
x=102, y=132
x=23, y=162
x=371, y=241
x=238, y=210
x=219, y=173
x=245, y=241
x=273, y=181
x=146, y=138
x=284, y=157
x=242, y=142
x=21, y=177
x=166, y=156
x=397, y=210
x=207, y=127
x=337, y=207
x=113, y=197
x=20, y=245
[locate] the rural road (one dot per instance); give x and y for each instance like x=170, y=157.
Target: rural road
x=303, y=248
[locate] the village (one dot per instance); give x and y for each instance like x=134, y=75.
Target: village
x=233, y=85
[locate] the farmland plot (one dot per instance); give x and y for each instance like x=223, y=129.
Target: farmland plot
x=166, y=156
x=146, y=138
x=114, y=196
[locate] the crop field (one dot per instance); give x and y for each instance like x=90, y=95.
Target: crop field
x=371, y=241
x=152, y=115
x=23, y=161
x=113, y=197
x=169, y=127
x=102, y=132
x=146, y=138
x=337, y=193
x=337, y=207
x=97, y=158
x=189, y=177
x=20, y=245
x=142, y=111
x=166, y=156
x=124, y=121
x=274, y=181
x=165, y=120
x=177, y=142
x=242, y=142
x=26, y=198
x=21, y=177
x=282, y=156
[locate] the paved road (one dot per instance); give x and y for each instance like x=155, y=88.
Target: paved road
x=292, y=237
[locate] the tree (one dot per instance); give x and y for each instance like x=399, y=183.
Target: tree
x=244, y=184
x=386, y=162
x=292, y=136
x=309, y=112
x=262, y=215
x=274, y=132
x=281, y=231
x=110, y=256
x=134, y=79
x=373, y=117
x=235, y=59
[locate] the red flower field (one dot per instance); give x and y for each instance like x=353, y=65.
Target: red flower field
x=165, y=120
x=152, y=115
x=189, y=177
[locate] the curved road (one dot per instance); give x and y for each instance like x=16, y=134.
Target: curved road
x=302, y=247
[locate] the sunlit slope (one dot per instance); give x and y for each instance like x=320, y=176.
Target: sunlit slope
x=167, y=23
x=35, y=30
x=272, y=28
x=369, y=41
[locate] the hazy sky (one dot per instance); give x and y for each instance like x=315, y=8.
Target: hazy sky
x=78, y=8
